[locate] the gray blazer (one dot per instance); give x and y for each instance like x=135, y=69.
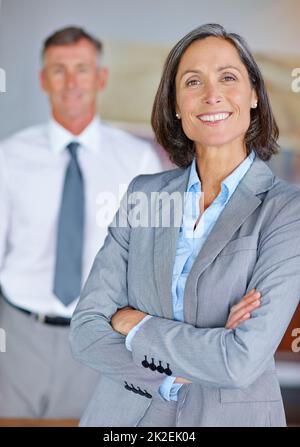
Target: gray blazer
x=254, y=243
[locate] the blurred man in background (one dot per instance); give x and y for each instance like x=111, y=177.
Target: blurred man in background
x=51, y=180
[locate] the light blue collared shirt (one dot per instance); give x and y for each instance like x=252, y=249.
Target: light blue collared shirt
x=189, y=244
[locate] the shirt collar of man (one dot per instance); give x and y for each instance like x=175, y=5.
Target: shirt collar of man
x=89, y=138
x=228, y=185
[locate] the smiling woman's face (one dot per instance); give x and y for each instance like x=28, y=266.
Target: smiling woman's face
x=213, y=94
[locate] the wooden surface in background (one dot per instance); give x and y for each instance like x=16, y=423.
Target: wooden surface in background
x=287, y=340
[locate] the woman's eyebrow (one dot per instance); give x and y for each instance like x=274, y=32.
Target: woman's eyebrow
x=223, y=67
x=190, y=71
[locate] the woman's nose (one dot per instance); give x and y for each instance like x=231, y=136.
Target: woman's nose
x=211, y=94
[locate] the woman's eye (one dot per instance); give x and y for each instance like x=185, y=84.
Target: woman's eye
x=193, y=82
x=228, y=78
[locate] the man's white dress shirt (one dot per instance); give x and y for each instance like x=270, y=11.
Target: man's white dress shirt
x=32, y=171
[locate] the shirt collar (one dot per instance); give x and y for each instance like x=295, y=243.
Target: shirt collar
x=90, y=137
x=229, y=184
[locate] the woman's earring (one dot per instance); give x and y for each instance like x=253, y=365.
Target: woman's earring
x=178, y=116
x=254, y=105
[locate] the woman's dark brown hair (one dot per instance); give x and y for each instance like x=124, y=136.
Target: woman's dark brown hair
x=262, y=133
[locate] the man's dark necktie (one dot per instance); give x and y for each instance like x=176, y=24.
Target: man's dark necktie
x=68, y=267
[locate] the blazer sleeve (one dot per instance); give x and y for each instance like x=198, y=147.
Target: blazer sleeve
x=235, y=358
x=93, y=340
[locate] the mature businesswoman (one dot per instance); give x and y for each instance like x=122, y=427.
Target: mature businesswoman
x=183, y=320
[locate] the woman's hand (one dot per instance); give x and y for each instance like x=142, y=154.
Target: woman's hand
x=125, y=319
x=238, y=313
x=242, y=311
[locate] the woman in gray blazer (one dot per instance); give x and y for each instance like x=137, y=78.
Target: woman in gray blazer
x=199, y=275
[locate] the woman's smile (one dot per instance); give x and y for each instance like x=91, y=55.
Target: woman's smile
x=214, y=119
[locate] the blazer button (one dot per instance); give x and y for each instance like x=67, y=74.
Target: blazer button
x=168, y=371
x=145, y=363
x=134, y=389
x=146, y=394
x=160, y=368
x=152, y=365
x=127, y=387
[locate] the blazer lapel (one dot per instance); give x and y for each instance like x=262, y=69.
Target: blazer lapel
x=165, y=241
x=243, y=202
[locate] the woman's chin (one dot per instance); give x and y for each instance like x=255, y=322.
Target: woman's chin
x=216, y=142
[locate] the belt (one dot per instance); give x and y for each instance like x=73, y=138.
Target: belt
x=42, y=318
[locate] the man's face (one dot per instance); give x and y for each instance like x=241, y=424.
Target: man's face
x=72, y=79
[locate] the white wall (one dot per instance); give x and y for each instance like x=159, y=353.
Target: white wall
x=268, y=25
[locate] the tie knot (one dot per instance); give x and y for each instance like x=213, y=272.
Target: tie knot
x=72, y=148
